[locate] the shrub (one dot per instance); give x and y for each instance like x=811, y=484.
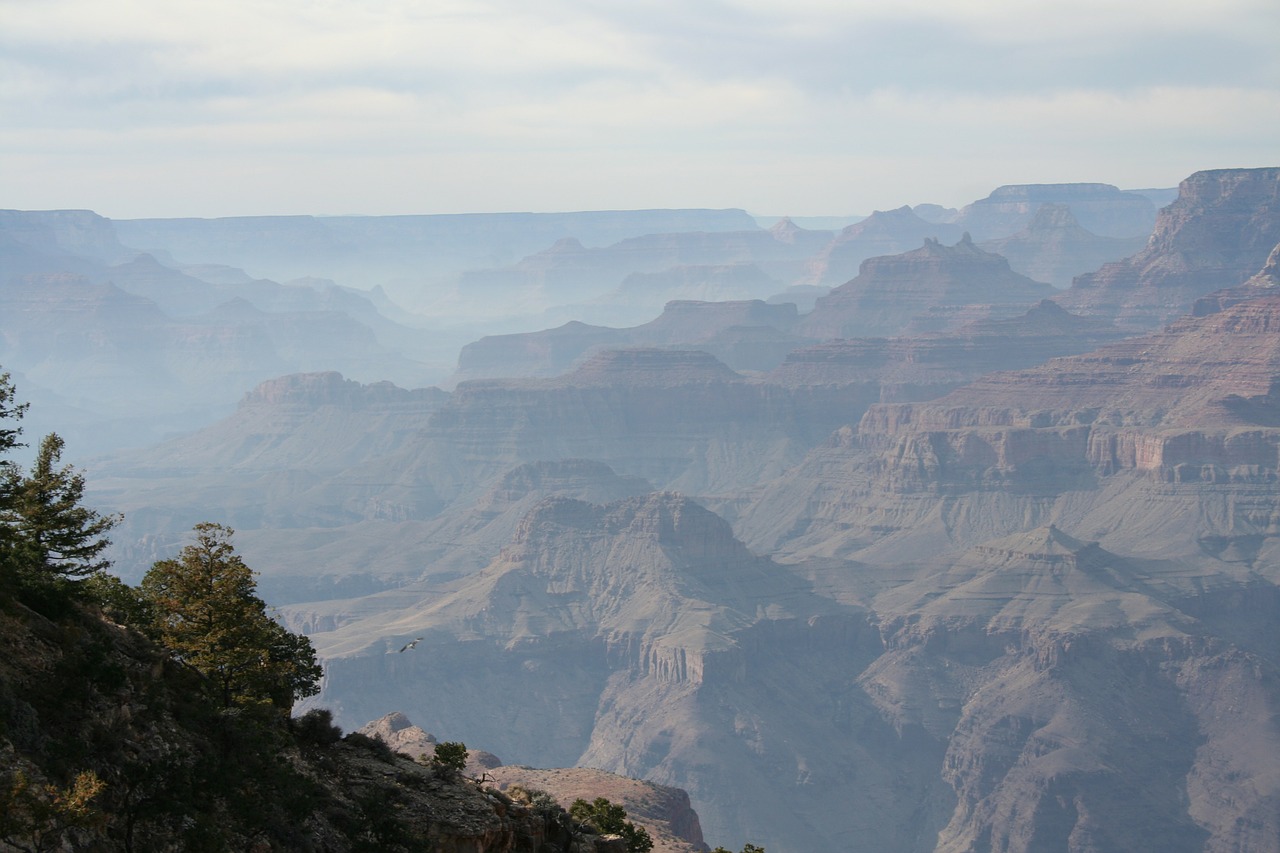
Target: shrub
x=451, y=755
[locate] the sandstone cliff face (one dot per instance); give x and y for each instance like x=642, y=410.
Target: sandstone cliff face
x=929, y=289
x=1217, y=234
x=926, y=366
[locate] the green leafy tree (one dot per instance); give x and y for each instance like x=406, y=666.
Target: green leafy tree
x=62, y=535
x=451, y=755
x=611, y=819
x=205, y=608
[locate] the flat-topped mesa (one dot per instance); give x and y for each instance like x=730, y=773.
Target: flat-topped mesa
x=926, y=366
x=1101, y=208
x=77, y=232
x=1200, y=400
x=648, y=366
x=1216, y=235
x=329, y=388
x=683, y=324
x=929, y=286
x=691, y=320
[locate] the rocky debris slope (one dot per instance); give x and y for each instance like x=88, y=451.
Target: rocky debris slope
x=931, y=288
x=1217, y=234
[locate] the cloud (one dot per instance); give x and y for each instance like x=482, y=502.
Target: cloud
x=744, y=101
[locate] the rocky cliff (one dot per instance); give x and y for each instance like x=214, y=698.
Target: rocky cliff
x=925, y=366
x=885, y=232
x=1054, y=247
x=1100, y=208
x=1217, y=234
x=931, y=288
x=664, y=812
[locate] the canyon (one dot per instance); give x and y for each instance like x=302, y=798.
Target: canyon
x=959, y=552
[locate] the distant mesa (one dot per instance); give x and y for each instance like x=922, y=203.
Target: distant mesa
x=885, y=232
x=1054, y=247
x=1217, y=234
x=926, y=289
x=1101, y=209
x=750, y=334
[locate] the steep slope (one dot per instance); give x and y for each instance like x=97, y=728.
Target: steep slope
x=1154, y=445
x=664, y=812
x=931, y=288
x=110, y=744
x=640, y=638
x=1054, y=248
x=1217, y=234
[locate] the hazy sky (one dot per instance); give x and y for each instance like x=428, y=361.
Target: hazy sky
x=191, y=108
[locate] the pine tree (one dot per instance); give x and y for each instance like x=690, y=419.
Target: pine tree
x=47, y=518
x=207, y=611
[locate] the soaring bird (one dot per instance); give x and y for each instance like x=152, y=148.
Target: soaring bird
x=410, y=644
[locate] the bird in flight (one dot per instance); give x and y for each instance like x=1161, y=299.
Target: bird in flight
x=410, y=644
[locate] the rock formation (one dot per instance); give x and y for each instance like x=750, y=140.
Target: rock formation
x=1055, y=249
x=716, y=327
x=1100, y=208
x=922, y=367
x=885, y=232
x=1217, y=234
x=664, y=812
x=931, y=288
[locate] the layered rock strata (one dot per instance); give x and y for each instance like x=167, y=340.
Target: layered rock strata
x=1217, y=234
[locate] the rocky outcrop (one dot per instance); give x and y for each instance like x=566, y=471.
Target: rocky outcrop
x=1054, y=248
x=885, y=232
x=1100, y=208
x=664, y=812
x=932, y=288
x=1216, y=235
x=719, y=328
x=926, y=366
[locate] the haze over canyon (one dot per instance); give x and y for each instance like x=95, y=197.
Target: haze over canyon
x=948, y=530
